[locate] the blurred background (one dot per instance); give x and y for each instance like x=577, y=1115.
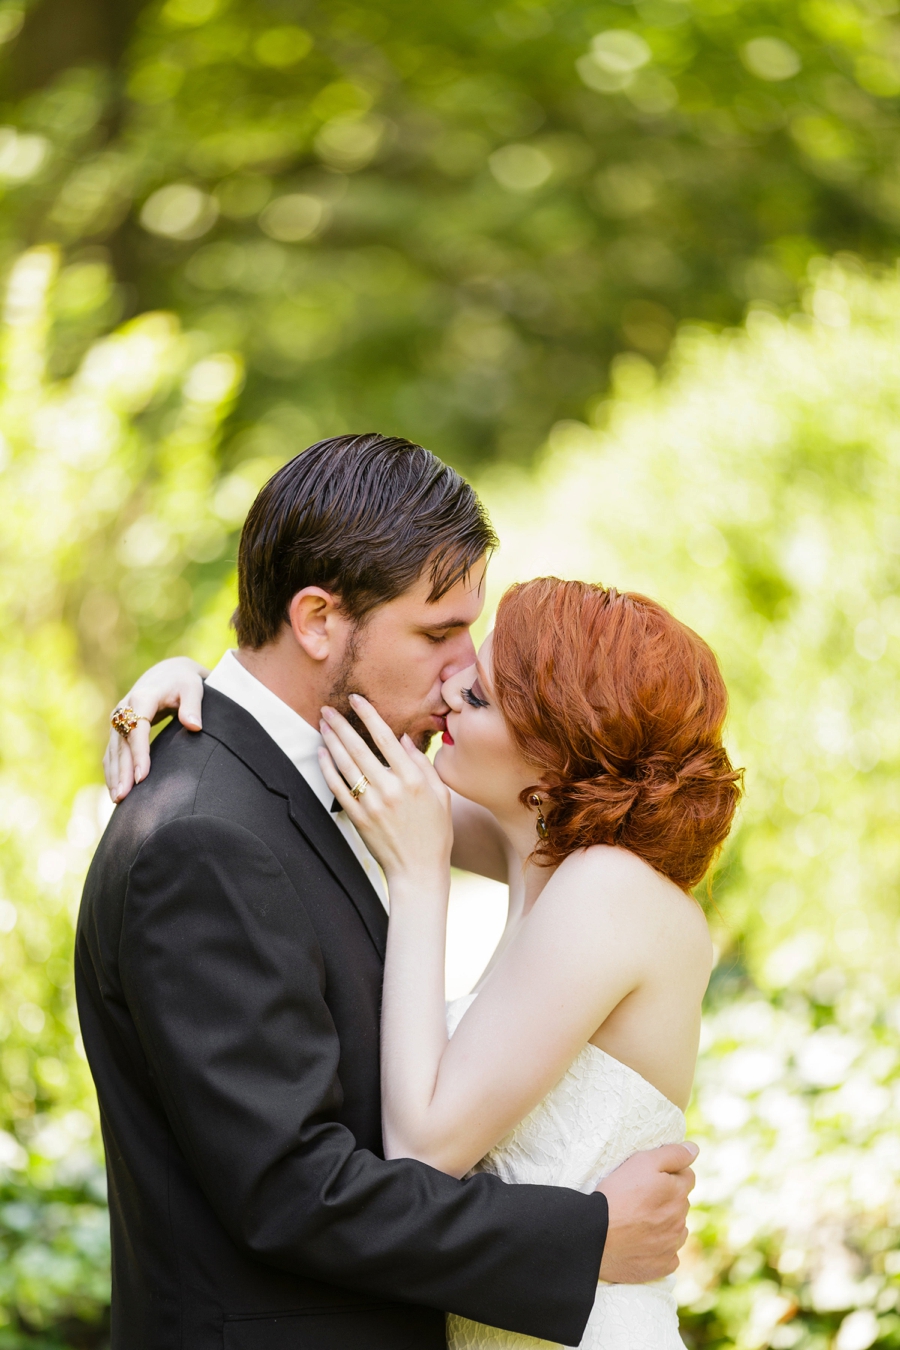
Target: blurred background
x=632, y=268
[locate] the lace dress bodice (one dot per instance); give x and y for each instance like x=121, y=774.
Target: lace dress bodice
x=597, y=1115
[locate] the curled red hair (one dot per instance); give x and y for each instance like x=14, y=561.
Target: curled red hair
x=620, y=708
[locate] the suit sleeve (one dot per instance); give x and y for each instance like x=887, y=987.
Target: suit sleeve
x=223, y=975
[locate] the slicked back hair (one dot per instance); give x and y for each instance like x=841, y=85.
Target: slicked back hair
x=363, y=517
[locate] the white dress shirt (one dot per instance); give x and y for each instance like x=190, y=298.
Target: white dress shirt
x=299, y=741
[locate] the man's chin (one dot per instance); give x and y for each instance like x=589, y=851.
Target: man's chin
x=420, y=739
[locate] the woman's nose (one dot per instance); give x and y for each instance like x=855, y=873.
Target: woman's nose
x=451, y=690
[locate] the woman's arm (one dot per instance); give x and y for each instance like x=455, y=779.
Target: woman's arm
x=571, y=962
x=169, y=686
x=575, y=957
x=404, y=816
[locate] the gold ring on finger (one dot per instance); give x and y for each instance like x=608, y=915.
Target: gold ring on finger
x=124, y=721
x=359, y=787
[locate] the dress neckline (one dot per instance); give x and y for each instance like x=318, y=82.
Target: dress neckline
x=610, y=1059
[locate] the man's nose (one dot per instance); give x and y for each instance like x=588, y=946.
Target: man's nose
x=460, y=657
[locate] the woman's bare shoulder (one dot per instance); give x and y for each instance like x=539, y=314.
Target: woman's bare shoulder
x=616, y=867
x=626, y=888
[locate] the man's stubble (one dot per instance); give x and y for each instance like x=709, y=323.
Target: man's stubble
x=350, y=679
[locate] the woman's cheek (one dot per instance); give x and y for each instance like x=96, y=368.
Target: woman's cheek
x=484, y=760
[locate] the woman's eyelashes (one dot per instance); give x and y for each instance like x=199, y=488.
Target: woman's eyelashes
x=473, y=700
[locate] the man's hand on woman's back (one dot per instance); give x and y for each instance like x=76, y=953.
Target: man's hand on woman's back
x=648, y=1204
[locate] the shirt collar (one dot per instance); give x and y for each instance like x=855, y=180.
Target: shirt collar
x=299, y=741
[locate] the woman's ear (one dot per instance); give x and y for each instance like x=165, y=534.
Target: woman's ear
x=314, y=616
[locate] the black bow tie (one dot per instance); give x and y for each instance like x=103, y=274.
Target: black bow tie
x=335, y=806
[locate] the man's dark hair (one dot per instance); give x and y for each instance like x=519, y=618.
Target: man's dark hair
x=363, y=517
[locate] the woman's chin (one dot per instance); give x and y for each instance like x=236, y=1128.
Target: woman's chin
x=440, y=759
x=443, y=762
x=446, y=771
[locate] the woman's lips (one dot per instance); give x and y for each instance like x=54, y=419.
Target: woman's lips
x=446, y=737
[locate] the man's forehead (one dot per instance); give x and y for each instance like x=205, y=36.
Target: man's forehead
x=463, y=601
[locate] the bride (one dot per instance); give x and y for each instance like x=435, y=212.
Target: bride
x=582, y=763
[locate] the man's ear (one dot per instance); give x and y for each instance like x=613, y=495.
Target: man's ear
x=316, y=622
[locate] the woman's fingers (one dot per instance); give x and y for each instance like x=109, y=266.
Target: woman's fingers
x=111, y=765
x=126, y=768
x=120, y=767
x=353, y=744
x=381, y=733
x=127, y=759
x=185, y=692
x=424, y=763
x=174, y=685
x=189, y=707
x=139, y=745
x=336, y=782
x=354, y=807
x=138, y=740
x=348, y=767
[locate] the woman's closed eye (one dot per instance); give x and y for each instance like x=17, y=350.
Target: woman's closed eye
x=473, y=699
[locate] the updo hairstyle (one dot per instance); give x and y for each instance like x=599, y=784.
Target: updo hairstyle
x=620, y=708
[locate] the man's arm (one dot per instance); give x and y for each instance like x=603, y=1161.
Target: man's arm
x=223, y=976
x=478, y=842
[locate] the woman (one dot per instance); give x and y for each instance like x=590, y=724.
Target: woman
x=585, y=749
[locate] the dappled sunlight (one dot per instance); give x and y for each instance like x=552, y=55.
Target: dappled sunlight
x=754, y=490
x=606, y=260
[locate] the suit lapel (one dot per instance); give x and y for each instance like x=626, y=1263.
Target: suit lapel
x=227, y=722
x=318, y=828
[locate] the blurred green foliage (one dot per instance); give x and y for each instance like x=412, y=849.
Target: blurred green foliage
x=444, y=219
x=108, y=494
x=795, y=1228
x=755, y=488
x=527, y=235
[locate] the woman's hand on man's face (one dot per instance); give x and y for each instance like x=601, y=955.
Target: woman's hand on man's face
x=170, y=686
x=403, y=812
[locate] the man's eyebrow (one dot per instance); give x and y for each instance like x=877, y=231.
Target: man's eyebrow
x=448, y=623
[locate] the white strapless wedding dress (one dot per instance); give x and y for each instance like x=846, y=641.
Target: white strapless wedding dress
x=599, y=1113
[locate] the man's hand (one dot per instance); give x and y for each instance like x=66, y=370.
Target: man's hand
x=648, y=1204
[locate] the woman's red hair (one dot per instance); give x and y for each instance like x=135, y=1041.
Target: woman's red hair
x=620, y=708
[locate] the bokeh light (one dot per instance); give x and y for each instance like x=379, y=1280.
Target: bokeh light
x=633, y=268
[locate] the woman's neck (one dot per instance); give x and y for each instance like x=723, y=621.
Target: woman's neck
x=527, y=877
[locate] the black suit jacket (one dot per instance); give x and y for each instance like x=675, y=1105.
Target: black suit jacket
x=229, y=965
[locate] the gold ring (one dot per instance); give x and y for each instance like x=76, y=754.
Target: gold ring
x=359, y=788
x=124, y=721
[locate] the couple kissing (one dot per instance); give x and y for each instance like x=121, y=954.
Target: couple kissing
x=307, y=1148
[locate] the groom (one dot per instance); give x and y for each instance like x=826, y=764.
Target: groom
x=229, y=964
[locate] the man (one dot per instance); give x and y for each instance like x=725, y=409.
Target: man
x=229, y=963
